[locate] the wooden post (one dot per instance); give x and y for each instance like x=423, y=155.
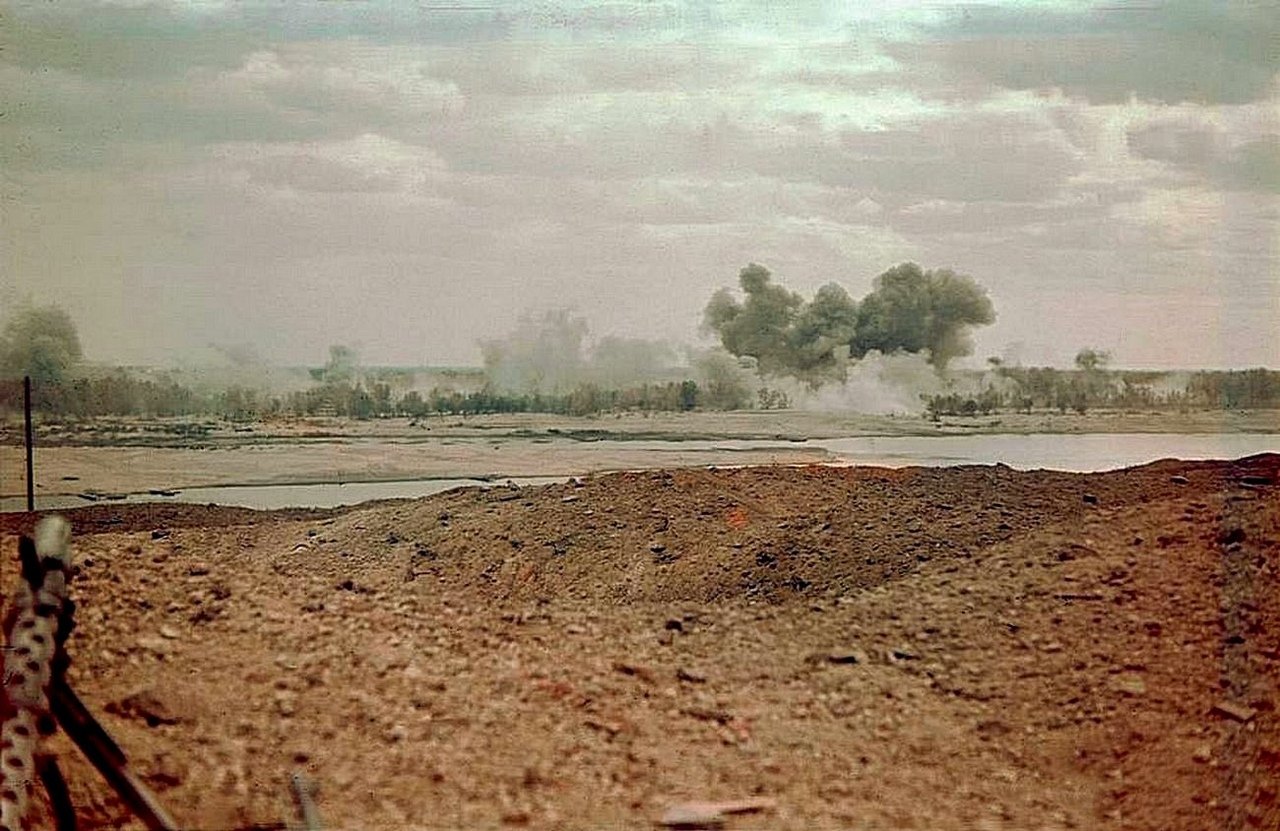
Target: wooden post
x=26, y=411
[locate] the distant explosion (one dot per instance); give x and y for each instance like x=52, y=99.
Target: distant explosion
x=554, y=352
x=911, y=311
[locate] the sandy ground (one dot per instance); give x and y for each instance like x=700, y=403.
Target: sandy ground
x=133, y=455
x=972, y=648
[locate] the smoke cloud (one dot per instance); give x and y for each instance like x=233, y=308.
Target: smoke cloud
x=912, y=311
x=554, y=353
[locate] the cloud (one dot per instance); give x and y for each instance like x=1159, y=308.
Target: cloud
x=364, y=172
x=1169, y=52
x=1210, y=152
x=365, y=164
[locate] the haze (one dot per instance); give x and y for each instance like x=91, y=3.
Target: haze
x=412, y=178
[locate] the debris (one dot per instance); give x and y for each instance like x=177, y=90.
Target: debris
x=693, y=815
x=1179, y=480
x=1233, y=711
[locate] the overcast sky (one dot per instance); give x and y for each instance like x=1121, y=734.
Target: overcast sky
x=412, y=177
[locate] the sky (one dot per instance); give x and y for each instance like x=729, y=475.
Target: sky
x=410, y=178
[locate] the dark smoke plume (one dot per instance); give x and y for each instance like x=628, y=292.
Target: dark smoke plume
x=922, y=311
x=909, y=311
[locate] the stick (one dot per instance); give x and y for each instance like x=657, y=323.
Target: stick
x=105, y=755
x=26, y=411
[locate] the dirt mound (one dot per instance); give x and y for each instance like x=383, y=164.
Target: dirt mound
x=951, y=649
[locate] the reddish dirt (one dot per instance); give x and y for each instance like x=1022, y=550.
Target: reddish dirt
x=973, y=648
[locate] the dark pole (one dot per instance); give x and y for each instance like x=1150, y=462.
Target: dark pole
x=26, y=411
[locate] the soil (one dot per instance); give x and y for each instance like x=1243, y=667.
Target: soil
x=964, y=648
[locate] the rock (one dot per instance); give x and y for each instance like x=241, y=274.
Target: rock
x=1130, y=685
x=1179, y=480
x=643, y=673
x=1230, y=535
x=156, y=646
x=1090, y=499
x=286, y=704
x=1203, y=754
x=198, y=568
x=852, y=656
x=169, y=632
x=688, y=677
x=166, y=772
x=673, y=625
x=146, y=705
x=1233, y=711
x=397, y=733
x=693, y=815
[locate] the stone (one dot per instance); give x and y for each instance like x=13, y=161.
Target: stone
x=145, y=704
x=851, y=656
x=693, y=815
x=1233, y=711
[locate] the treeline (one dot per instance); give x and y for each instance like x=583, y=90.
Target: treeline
x=121, y=394
x=1007, y=389
x=1022, y=389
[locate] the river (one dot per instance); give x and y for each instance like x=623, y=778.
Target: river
x=1083, y=453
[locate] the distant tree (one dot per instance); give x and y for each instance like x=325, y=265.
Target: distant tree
x=39, y=341
x=688, y=395
x=1090, y=360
